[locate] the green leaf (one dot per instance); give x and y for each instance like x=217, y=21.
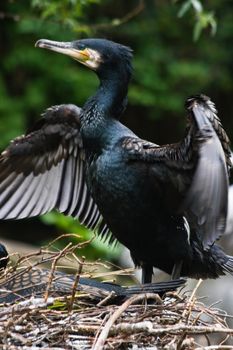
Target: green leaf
x=204, y=20
x=197, y=5
x=184, y=8
x=197, y=30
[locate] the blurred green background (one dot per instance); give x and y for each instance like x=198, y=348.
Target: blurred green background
x=180, y=48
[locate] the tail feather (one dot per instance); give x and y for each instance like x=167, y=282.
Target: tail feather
x=160, y=287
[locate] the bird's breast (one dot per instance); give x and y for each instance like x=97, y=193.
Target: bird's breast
x=132, y=207
x=122, y=190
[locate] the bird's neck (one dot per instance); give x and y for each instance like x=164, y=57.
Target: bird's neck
x=102, y=109
x=109, y=98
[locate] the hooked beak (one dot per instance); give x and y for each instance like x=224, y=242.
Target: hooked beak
x=88, y=57
x=65, y=48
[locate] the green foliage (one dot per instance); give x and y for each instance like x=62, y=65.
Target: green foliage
x=204, y=19
x=169, y=66
x=93, y=251
x=60, y=11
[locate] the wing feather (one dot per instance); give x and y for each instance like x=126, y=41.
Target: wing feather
x=44, y=170
x=194, y=172
x=207, y=199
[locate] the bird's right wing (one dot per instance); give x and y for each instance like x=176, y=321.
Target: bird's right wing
x=206, y=202
x=196, y=169
x=45, y=169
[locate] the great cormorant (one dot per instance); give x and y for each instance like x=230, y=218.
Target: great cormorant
x=167, y=204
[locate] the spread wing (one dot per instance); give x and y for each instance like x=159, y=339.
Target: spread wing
x=45, y=169
x=196, y=168
x=206, y=203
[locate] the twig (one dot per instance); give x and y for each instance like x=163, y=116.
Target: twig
x=187, y=312
x=106, y=299
x=174, y=329
x=99, y=330
x=119, y=21
x=216, y=347
x=175, y=319
x=64, y=235
x=191, y=300
x=53, y=269
x=19, y=337
x=105, y=331
x=75, y=284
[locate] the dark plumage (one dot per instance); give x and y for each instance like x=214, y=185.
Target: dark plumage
x=31, y=282
x=3, y=257
x=34, y=281
x=167, y=204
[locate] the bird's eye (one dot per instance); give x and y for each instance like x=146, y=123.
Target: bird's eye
x=81, y=46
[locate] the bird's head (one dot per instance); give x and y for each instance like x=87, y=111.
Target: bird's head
x=103, y=56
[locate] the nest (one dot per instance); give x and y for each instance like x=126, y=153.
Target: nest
x=82, y=320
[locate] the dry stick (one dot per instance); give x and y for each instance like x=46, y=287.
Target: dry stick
x=53, y=269
x=99, y=330
x=225, y=339
x=192, y=300
x=69, y=248
x=19, y=338
x=216, y=347
x=139, y=8
x=43, y=260
x=76, y=282
x=64, y=235
x=122, y=272
x=203, y=311
x=106, y=299
x=187, y=312
x=147, y=326
x=105, y=331
x=28, y=268
x=25, y=258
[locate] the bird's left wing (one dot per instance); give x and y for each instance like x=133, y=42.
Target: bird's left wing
x=45, y=169
x=196, y=168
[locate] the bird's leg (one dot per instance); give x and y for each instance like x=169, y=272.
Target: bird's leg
x=147, y=272
x=176, y=271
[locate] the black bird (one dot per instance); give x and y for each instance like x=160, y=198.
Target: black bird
x=34, y=282
x=167, y=204
x=3, y=257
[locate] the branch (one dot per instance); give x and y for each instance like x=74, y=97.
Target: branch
x=99, y=345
